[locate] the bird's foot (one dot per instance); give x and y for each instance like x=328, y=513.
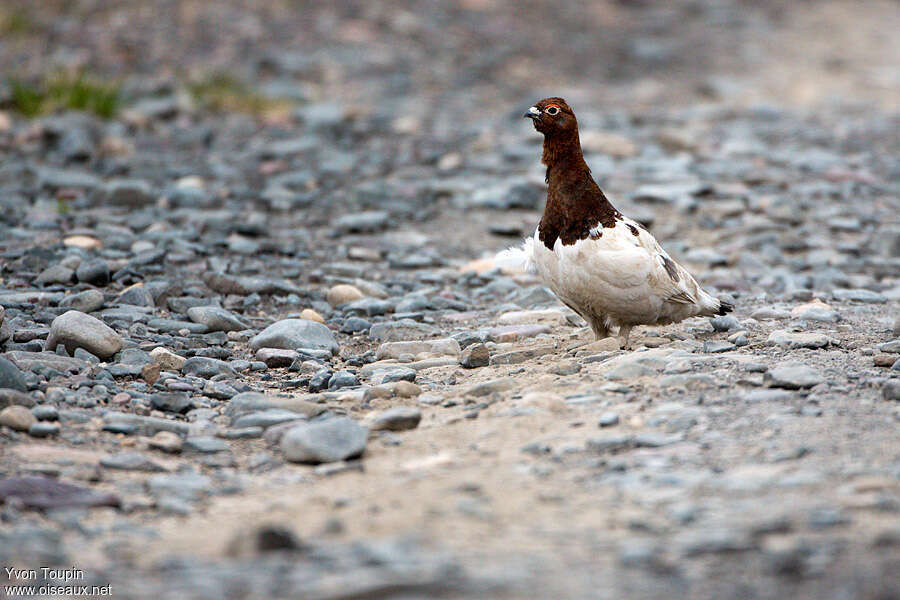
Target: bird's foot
x=624, y=333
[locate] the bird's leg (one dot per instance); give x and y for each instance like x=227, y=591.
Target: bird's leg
x=624, y=332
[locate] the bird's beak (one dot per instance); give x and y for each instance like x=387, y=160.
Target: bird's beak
x=533, y=113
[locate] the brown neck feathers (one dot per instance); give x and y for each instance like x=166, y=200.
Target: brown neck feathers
x=575, y=203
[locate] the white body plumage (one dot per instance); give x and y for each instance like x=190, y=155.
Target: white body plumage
x=617, y=277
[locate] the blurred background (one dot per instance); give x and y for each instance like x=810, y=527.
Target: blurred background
x=291, y=147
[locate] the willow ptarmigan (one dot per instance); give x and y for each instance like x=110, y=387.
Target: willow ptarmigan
x=601, y=264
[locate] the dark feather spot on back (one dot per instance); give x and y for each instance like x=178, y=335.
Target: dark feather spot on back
x=671, y=269
x=634, y=230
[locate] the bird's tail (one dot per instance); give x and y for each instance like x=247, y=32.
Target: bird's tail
x=713, y=306
x=724, y=307
x=517, y=259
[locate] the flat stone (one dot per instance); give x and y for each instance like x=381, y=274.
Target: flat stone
x=440, y=347
x=793, y=377
x=792, y=339
x=608, y=419
x=11, y=377
x=17, y=417
x=245, y=286
x=203, y=444
x=75, y=329
x=45, y=493
x=10, y=397
x=609, y=443
x=142, y=424
x=44, y=429
x=130, y=461
x=201, y=366
x=520, y=356
x=398, y=418
x=816, y=311
x=717, y=346
x=291, y=334
x=131, y=193
x=56, y=274
x=401, y=330
x=860, y=295
x=175, y=326
x=216, y=318
x=491, y=387
x=28, y=361
x=189, y=487
x=266, y=418
x=326, y=441
x=249, y=402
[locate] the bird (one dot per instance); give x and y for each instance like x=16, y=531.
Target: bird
x=603, y=265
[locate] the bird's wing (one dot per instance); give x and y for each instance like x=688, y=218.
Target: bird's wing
x=666, y=278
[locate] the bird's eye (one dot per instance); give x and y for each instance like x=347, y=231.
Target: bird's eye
x=552, y=110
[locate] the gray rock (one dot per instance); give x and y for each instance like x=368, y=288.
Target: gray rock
x=291, y=334
x=363, y=222
x=94, y=272
x=342, y=379
x=860, y=295
x=11, y=377
x=43, y=429
x=249, y=402
x=174, y=326
x=176, y=402
x=204, y=445
x=331, y=440
x=246, y=286
x=892, y=347
x=130, y=461
x=55, y=275
x=75, y=329
x=216, y=318
x=793, y=376
x=725, y=323
x=126, y=422
x=131, y=193
x=608, y=419
x=200, y=366
x=610, y=442
x=398, y=418
x=136, y=295
x=189, y=487
x=28, y=361
x=87, y=301
x=717, y=346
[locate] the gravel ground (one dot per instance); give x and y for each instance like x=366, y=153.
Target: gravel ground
x=252, y=342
